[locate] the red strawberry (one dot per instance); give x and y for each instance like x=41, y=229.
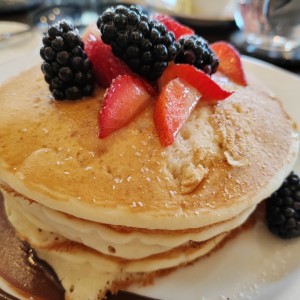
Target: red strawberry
x=172, y=25
x=126, y=97
x=106, y=65
x=173, y=107
x=230, y=62
x=208, y=89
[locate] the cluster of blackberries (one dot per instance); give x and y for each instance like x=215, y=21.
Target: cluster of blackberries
x=283, y=209
x=67, y=69
x=147, y=46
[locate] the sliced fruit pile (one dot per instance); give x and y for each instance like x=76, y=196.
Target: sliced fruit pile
x=141, y=59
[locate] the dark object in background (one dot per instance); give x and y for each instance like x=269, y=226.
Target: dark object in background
x=13, y=6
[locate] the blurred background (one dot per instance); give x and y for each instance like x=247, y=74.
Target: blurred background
x=267, y=29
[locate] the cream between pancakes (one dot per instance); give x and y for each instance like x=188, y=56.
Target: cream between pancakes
x=135, y=244
x=88, y=274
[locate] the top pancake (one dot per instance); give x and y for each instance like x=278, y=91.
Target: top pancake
x=228, y=156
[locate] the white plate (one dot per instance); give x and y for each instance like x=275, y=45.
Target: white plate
x=255, y=265
x=20, y=46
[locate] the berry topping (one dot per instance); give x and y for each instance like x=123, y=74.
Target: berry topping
x=67, y=69
x=106, y=65
x=194, y=50
x=230, y=62
x=173, y=107
x=177, y=28
x=208, y=89
x=283, y=209
x=145, y=46
x=126, y=97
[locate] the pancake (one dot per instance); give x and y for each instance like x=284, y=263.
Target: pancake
x=124, y=209
x=228, y=157
x=127, y=244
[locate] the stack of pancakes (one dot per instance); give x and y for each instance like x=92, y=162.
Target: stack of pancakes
x=108, y=212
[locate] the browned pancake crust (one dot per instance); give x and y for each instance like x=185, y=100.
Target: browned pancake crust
x=50, y=152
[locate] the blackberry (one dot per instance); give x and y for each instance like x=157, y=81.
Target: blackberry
x=283, y=209
x=66, y=67
x=145, y=45
x=194, y=50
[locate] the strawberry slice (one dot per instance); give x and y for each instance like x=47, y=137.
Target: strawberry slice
x=173, y=107
x=177, y=28
x=126, y=97
x=106, y=66
x=208, y=89
x=230, y=62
